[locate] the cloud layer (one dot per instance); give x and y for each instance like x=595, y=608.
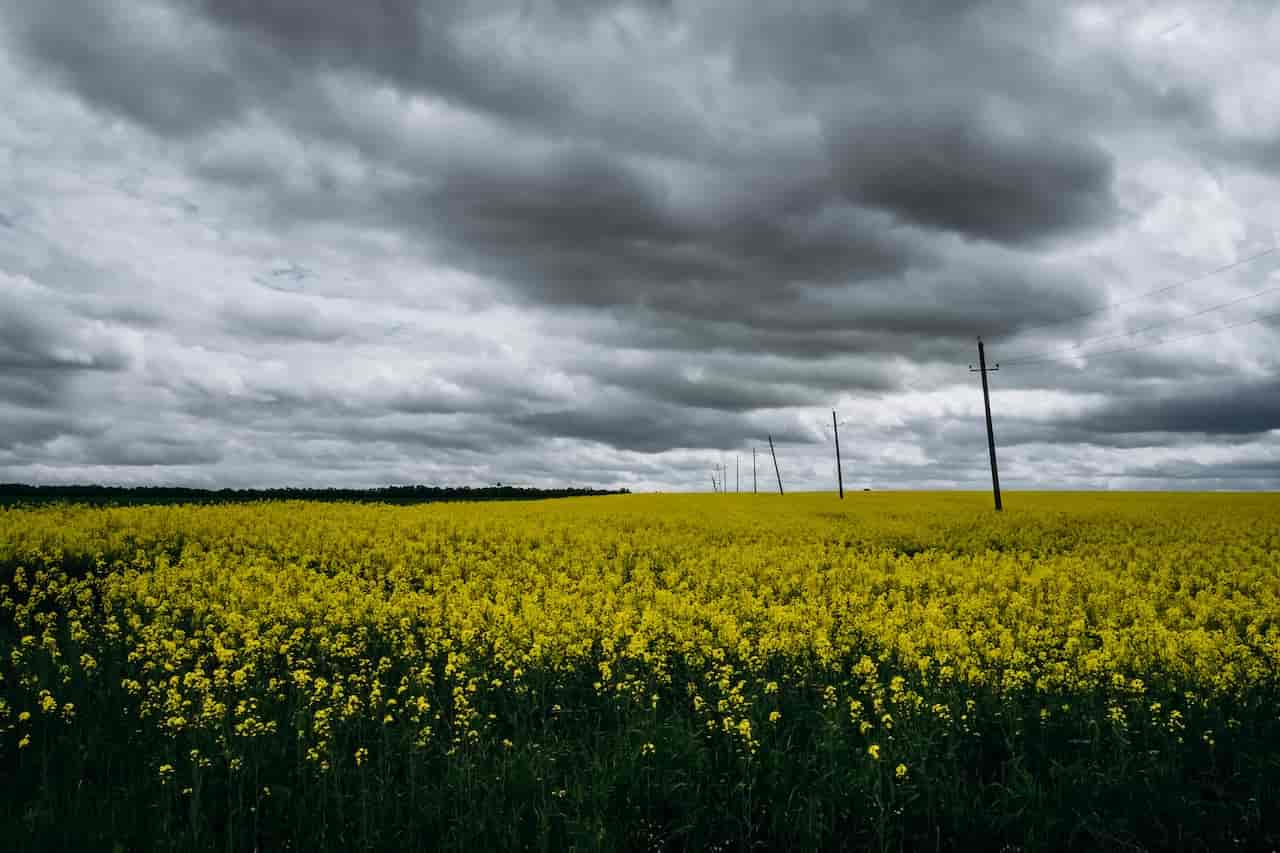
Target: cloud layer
x=552, y=243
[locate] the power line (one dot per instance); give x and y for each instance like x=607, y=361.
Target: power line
x=1156, y=343
x=1140, y=296
x=1162, y=324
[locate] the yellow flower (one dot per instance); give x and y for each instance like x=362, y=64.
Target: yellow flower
x=900, y=771
x=774, y=716
x=874, y=751
x=361, y=755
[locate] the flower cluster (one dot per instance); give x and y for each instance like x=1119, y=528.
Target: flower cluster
x=896, y=622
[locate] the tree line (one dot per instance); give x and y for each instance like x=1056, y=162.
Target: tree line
x=12, y=494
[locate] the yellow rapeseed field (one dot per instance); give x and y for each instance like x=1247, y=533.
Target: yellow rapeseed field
x=801, y=669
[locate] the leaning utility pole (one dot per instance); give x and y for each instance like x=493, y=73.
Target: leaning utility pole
x=991, y=435
x=839, y=474
x=774, y=453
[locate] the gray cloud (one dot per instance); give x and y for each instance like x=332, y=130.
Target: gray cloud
x=149, y=451
x=644, y=426
x=364, y=242
x=27, y=427
x=283, y=319
x=149, y=62
x=38, y=332
x=1236, y=408
x=962, y=171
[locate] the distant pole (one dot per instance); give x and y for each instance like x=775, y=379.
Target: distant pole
x=991, y=435
x=839, y=473
x=754, y=488
x=774, y=453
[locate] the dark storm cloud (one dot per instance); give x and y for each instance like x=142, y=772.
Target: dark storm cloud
x=583, y=228
x=404, y=41
x=385, y=34
x=1243, y=475
x=28, y=388
x=820, y=42
x=28, y=428
x=148, y=451
x=443, y=434
x=150, y=63
x=1071, y=433
x=39, y=333
x=585, y=223
x=1234, y=408
x=632, y=423
x=35, y=437
x=774, y=271
x=736, y=383
x=960, y=170
x=718, y=393
x=471, y=54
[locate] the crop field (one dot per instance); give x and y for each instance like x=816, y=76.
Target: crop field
x=902, y=671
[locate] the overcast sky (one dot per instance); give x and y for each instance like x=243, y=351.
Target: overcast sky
x=574, y=242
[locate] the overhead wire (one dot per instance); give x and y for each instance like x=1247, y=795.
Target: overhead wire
x=1149, y=344
x=1073, y=349
x=1129, y=300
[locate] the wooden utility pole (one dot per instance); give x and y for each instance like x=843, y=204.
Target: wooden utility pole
x=839, y=474
x=754, y=488
x=991, y=435
x=774, y=453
